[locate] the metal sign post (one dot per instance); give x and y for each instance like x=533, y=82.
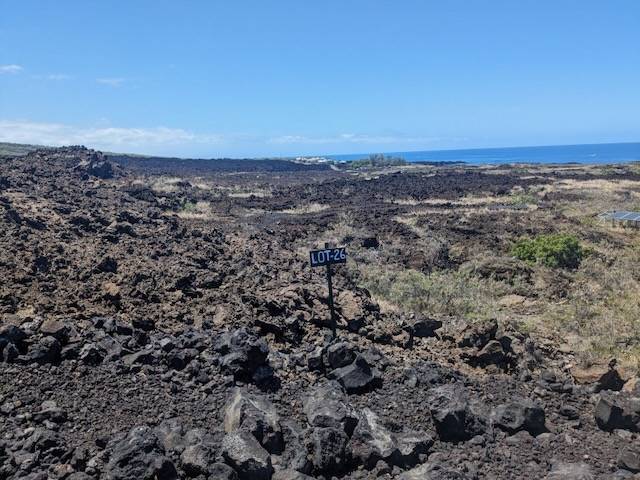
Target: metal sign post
x=328, y=257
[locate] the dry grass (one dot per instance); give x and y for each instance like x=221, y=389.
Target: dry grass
x=602, y=311
x=441, y=293
x=196, y=211
x=249, y=193
x=166, y=184
x=469, y=201
x=306, y=208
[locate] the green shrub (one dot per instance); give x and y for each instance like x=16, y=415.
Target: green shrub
x=556, y=251
x=188, y=206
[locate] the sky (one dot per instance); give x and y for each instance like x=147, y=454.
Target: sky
x=243, y=78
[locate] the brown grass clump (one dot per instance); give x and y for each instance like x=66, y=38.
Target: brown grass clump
x=196, y=211
x=306, y=209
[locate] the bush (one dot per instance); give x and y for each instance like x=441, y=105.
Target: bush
x=555, y=251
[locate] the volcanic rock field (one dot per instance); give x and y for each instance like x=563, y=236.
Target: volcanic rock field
x=164, y=323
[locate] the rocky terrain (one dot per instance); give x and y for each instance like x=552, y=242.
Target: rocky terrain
x=163, y=328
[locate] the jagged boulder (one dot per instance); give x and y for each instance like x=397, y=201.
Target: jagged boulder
x=454, y=416
x=478, y=334
x=423, y=327
x=198, y=459
x=171, y=435
x=315, y=361
x=340, y=354
x=328, y=449
x=358, y=376
x=372, y=442
x=519, y=415
x=257, y=415
x=411, y=446
x=244, y=356
x=618, y=411
x=246, y=456
x=355, y=310
x=492, y=354
x=294, y=455
x=12, y=343
x=326, y=405
x=599, y=377
x=56, y=328
x=138, y=454
x=46, y=350
x=45, y=442
x=94, y=164
x=551, y=380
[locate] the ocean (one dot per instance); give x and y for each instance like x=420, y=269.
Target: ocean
x=587, y=154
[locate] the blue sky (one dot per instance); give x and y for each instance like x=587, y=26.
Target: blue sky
x=258, y=78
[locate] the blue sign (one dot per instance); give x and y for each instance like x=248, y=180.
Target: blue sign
x=328, y=256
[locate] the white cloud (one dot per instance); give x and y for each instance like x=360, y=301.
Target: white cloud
x=11, y=69
x=112, y=82
x=58, y=76
x=53, y=77
x=105, y=138
x=163, y=140
x=351, y=138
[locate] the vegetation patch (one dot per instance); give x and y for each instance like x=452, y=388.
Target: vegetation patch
x=195, y=210
x=447, y=293
x=555, y=251
x=378, y=160
x=306, y=209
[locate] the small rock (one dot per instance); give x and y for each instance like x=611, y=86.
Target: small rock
x=50, y=411
x=314, y=360
x=433, y=471
x=90, y=354
x=143, y=357
x=570, y=471
x=290, y=475
x=145, y=324
x=55, y=328
x=569, y=412
x=629, y=459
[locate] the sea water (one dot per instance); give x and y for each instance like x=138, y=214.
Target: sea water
x=587, y=154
